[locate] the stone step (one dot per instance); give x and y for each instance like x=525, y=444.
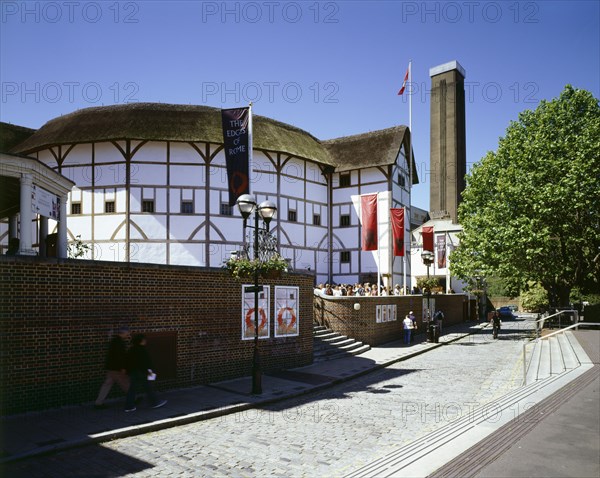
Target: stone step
x=569, y=356
x=557, y=365
x=341, y=353
x=544, y=365
x=402, y=461
x=533, y=358
x=323, y=334
x=329, y=345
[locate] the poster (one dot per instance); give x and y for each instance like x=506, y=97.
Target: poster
x=428, y=302
x=378, y=314
x=390, y=312
x=286, y=308
x=264, y=317
x=45, y=203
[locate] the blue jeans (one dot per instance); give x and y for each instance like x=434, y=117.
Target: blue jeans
x=407, y=336
x=139, y=382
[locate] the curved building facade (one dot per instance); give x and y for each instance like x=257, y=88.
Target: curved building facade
x=151, y=186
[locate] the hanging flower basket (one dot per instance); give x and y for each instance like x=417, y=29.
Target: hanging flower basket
x=242, y=268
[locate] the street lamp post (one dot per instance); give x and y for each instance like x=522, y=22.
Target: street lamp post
x=266, y=210
x=427, y=258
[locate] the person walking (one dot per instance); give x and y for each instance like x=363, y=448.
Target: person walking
x=141, y=374
x=496, y=322
x=115, y=366
x=412, y=317
x=408, y=325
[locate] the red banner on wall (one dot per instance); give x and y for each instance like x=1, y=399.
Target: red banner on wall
x=397, y=218
x=368, y=208
x=427, y=233
x=441, y=251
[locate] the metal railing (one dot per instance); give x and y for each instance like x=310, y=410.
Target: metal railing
x=539, y=324
x=539, y=339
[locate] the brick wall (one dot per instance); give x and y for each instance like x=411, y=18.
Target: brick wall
x=57, y=317
x=339, y=315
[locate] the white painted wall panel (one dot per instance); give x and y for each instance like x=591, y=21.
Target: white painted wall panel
x=107, y=153
x=106, y=225
x=152, y=151
x=86, y=201
x=347, y=236
x=79, y=225
x=343, y=194
x=149, y=174
x=186, y=254
x=373, y=175
x=109, y=251
x=315, y=235
x=292, y=187
x=110, y=175
x=182, y=227
x=150, y=252
x=184, y=153
x=186, y=175
x=154, y=226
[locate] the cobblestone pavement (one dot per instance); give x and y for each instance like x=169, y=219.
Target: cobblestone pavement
x=329, y=433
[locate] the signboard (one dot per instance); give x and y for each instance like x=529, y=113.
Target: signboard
x=45, y=203
x=286, y=307
x=386, y=313
x=248, y=312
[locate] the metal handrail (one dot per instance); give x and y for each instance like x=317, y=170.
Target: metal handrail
x=538, y=329
x=573, y=326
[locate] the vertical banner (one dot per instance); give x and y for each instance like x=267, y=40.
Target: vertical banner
x=397, y=218
x=264, y=318
x=286, y=306
x=441, y=251
x=236, y=124
x=368, y=211
x=427, y=233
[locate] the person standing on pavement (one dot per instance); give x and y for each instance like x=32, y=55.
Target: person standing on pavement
x=408, y=326
x=115, y=366
x=412, y=317
x=141, y=374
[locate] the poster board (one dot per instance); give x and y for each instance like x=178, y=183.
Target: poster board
x=264, y=319
x=287, y=322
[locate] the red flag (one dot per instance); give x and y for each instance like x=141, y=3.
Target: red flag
x=441, y=251
x=397, y=217
x=368, y=207
x=401, y=92
x=427, y=233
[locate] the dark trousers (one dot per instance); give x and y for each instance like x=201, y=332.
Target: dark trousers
x=139, y=382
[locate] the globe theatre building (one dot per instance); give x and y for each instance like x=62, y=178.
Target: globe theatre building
x=151, y=186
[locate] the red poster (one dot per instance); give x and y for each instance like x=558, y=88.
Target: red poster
x=397, y=217
x=427, y=233
x=368, y=207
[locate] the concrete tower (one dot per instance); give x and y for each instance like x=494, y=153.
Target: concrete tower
x=448, y=157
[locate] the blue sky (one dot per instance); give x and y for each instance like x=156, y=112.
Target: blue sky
x=330, y=68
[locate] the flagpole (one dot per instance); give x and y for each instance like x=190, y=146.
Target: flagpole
x=250, y=159
x=410, y=167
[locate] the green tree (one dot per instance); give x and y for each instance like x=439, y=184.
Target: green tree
x=531, y=210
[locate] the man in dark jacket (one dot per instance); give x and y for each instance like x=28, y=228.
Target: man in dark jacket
x=115, y=366
x=139, y=367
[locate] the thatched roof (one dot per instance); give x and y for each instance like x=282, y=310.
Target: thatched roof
x=166, y=122
x=11, y=135
x=376, y=148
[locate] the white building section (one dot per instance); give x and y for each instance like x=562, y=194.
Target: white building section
x=151, y=186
